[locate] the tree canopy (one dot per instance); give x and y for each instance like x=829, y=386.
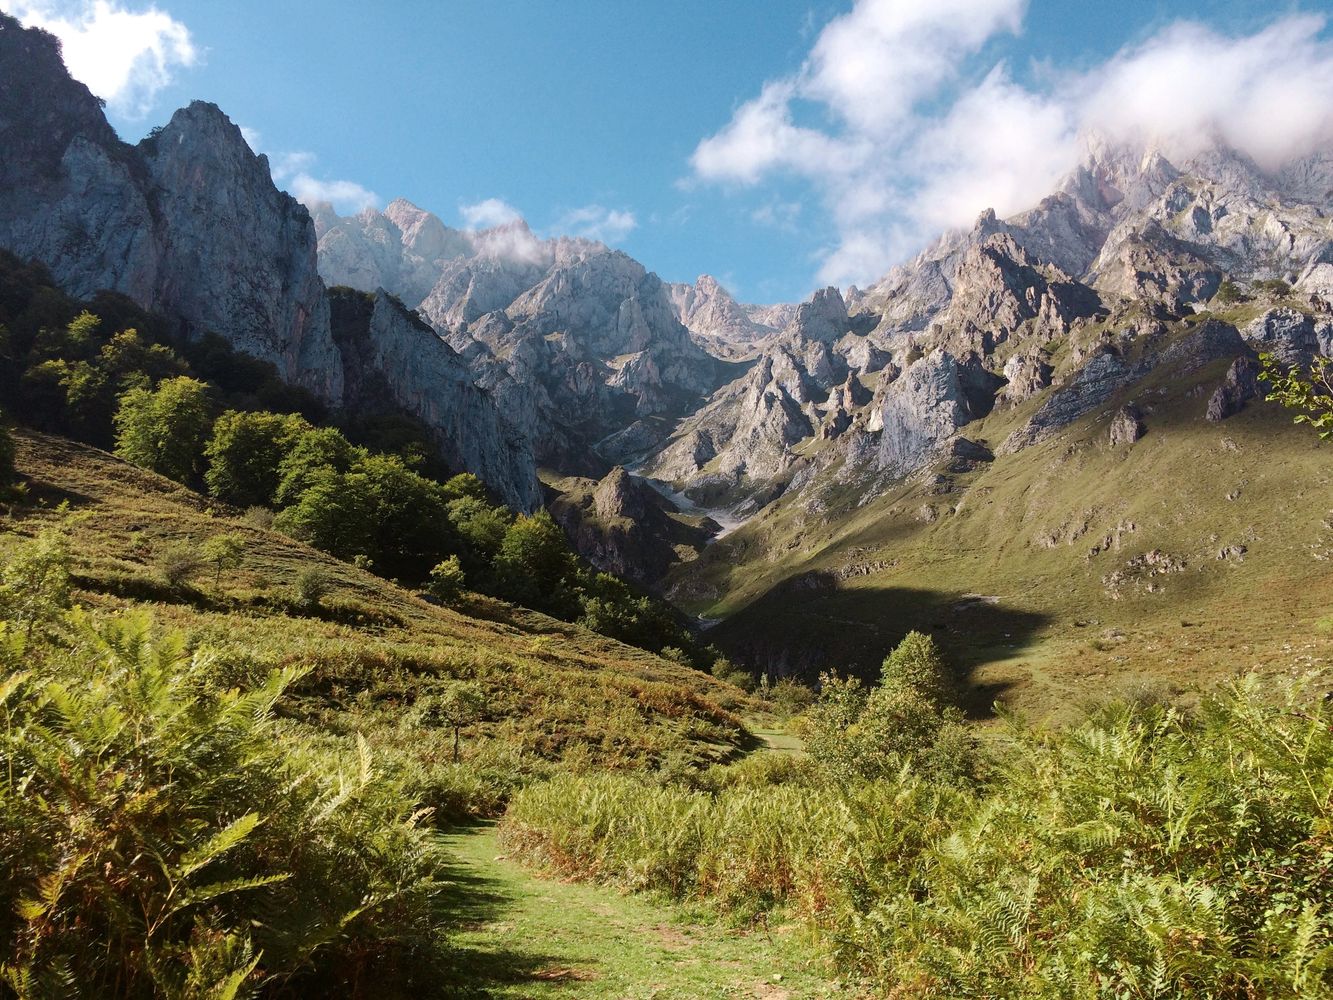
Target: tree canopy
x=164, y=429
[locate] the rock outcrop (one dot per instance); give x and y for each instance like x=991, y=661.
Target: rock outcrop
x=1294, y=337
x=188, y=223
x=625, y=527
x=932, y=400
x=1239, y=387
x=1127, y=426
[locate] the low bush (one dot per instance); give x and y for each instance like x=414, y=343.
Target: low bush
x=310, y=586
x=161, y=837
x=1144, y=852
x=178, y=563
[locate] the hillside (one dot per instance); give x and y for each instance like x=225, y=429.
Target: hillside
x=1081, y=566
x=371, y=649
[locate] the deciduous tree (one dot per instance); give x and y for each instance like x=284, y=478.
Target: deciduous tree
x=164, y=429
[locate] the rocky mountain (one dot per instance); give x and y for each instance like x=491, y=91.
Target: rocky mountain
x=1068, y=303
x=142, y=220
x=578, y=341
x=1052, y=418
x=188, y=223
x=721, y=325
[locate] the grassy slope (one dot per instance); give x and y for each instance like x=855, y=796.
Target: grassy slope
x=372, y=648
x=524, y=937
x=1050, y=633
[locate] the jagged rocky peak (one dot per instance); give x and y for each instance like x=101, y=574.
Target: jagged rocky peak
x=822, y=318
x=998, y=287
x=721, y=325
x=423, y=234
x=242, y=254
x=187, y=223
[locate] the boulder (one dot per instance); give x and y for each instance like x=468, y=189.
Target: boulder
x=1240, y=385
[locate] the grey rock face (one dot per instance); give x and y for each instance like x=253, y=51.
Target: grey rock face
x=72, y=195
x=623, y=526
x=1026, y=375
x=1294, y=337
x=1239, y=387
x=923, y=408
x=1151, y=266
x=388, y=350
x=241, y=258
x=1089, y=388
x=1127, y=426
x=576, y=342
x=187, y=223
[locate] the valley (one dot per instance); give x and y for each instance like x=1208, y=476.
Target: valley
x=392, y=609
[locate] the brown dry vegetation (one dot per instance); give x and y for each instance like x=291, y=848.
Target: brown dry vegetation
x=370, y=649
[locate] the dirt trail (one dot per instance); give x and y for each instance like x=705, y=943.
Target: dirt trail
x=528, y=937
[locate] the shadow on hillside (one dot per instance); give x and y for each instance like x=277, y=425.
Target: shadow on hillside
x=811, y=623
x=41, y=497
x=473, y=901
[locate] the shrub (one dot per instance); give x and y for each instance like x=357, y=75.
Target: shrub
x=446, y=580
x=163, y=838
x=1309, y=392
x=727, y=672
x=534, y=565
x=258, y=517
x=1228, y=293
x=906, y=720
x=791, y=696
x=311, y=584
x=178, y=563
x=35, y=583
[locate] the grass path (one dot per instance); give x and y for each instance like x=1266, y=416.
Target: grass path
x=528, y=937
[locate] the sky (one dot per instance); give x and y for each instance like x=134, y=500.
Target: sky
x=779, y=145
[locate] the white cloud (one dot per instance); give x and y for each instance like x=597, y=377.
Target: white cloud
x=904, y=129
x=345, y=196
x=595, y=222
x=488, y=213
x=293, y=171
x=513, y=241
x=872, y=65
x=124, y=56
x=1269, y=94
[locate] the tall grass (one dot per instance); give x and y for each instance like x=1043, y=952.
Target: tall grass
x=160, y=836
x=1143, y=853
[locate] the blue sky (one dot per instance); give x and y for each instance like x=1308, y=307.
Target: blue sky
x=589, y=114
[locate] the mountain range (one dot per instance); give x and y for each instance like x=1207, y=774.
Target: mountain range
x=1034, y=420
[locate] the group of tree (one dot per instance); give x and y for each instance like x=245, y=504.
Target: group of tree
x=110, y=374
